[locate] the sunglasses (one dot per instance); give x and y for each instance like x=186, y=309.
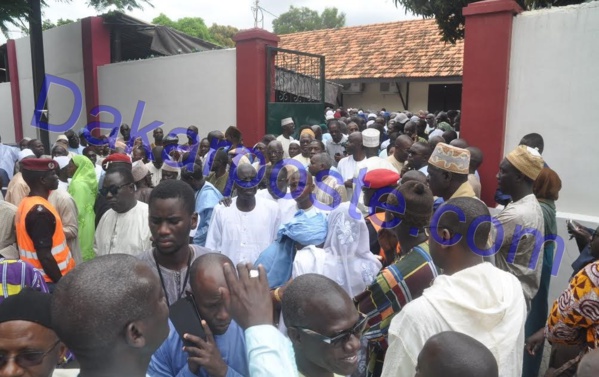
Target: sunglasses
x=112, y=189
x=26, y=359
x=340, y=338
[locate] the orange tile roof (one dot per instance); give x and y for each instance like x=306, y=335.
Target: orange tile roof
x=388, y=50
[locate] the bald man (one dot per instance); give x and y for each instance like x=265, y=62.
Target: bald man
x=323, y=326
x=274, y=152
x=222, y=352
x=453, y=354
x=112, y=325
x=400, y=154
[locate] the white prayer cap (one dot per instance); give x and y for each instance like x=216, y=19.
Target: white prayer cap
x=26, y=153
x=286, y=121
x=62, y=137
x=173, y=169
x=414, y=119
x=371, y=138
x=372, y=115
x=62, y=161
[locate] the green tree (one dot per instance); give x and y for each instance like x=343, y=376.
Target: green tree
x=223, y=34
x=306, y=19
x=17, y=12
x=448, y=13
x=193, y=26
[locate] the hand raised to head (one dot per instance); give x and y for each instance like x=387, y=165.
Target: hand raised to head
x=249, y=298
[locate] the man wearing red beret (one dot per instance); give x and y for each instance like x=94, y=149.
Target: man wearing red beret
x=382, y=241
x=40, y=235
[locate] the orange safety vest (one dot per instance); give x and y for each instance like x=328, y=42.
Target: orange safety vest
x=27, y=251
x=376, y=224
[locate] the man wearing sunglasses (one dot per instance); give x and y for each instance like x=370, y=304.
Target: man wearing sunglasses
x=418, y=156
x=28, y=345
x=123, y=228
x=323, y=326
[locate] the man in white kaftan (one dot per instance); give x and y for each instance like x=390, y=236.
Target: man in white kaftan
x=247, y=226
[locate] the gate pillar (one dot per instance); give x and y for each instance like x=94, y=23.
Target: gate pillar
x=251, y=82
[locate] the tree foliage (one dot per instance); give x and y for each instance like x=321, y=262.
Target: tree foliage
x=219, y=34
x=193, y=26
x=448, y=13
x=223, y=34
x=306, y=19
x=17, y=12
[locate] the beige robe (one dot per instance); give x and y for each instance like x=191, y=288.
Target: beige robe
x=8, y=235
x=67, y=210
x=17, y=189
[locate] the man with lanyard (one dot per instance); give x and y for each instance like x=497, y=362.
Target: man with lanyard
x=172, y=216
x=221, y=352
x=40, y=236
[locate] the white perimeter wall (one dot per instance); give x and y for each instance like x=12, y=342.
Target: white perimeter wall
x=64, y=58
x=371, y=98
x=7, y=130
x=554, y=76
x=192, y=89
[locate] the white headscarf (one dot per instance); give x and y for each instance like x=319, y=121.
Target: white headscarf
x=348, y=260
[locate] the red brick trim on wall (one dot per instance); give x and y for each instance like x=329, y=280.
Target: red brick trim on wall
x=15, y=89
x=95, y=44
x=485, y=83
x=251, y=82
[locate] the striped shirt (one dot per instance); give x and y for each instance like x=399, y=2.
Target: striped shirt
x=394, y=287
x=16, y=275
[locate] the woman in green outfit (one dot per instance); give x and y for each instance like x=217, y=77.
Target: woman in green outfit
x=546, y=189
x=84, y=188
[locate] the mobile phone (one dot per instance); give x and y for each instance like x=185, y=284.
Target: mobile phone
x=185, y=317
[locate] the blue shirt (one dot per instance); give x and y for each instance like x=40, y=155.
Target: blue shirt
x=206, y=199
x=8, y=156
x=78, y=150
x=269, y=352
x=171, y=361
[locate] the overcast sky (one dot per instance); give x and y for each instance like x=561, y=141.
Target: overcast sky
x=236, y=13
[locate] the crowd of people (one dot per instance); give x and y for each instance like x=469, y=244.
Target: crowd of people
x=357, y=247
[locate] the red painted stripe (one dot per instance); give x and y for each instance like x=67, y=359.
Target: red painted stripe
x=251, y=82
x=15, y=89
x=485, y=84
x=95, y=43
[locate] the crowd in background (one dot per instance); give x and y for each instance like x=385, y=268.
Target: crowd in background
x=376, y=255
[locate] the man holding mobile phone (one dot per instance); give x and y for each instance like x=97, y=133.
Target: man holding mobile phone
x=222, y=352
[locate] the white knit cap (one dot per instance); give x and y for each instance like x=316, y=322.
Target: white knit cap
x=371, y=138
x=25, y=153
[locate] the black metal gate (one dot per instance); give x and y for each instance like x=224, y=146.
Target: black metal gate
x=295, y=88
